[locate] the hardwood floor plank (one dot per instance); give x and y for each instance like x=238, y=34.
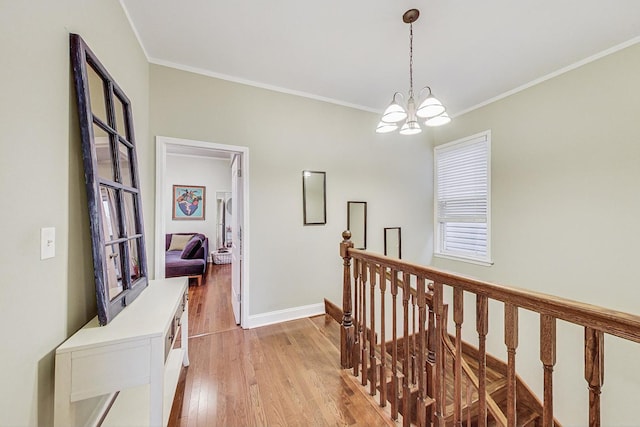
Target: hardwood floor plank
x=287, y=374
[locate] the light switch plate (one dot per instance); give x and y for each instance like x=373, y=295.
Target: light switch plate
x=47, y=242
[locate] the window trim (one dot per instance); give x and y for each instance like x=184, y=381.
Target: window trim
x=437, y=237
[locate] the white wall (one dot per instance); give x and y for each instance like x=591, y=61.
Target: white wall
x=42, y=182
x=565, y=203
x=293, y=265
x=214, y=174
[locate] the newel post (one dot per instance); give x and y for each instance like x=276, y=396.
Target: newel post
x=347, y=330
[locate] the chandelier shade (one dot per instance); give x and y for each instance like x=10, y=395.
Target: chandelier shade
x=395, y=112
x=440, y=120
x=384, y=127
x=430, y=108
x=410, y=128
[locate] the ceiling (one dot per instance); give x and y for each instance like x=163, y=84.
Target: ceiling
x=356, y=52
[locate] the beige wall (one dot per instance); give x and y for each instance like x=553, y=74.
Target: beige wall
x=566, y=204
x=293, y=265
x=41, y=176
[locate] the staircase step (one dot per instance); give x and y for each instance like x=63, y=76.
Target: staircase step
x=495, y=382
x=525, y=417
x=496, y=389
x=413, y=398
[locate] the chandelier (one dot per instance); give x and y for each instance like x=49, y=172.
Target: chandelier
x=430, y=109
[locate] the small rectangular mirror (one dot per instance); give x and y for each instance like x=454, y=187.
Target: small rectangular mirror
x=393, y=242
x=314, y=197
x=357, y=223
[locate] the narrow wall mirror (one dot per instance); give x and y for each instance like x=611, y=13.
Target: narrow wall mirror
x=223, y=219
x=112, y=183
x=357, y=223
x=314, y=197
x=393, y=242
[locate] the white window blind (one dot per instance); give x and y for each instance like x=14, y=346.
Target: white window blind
x=462, y=187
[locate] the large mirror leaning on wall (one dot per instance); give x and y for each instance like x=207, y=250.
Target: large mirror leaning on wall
x=314, y=197
x=357, y=223
x=112, y=183
x=393, y=242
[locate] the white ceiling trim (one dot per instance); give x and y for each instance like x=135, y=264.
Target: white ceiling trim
x=549, y=76
x=134, y=29
x=499, y=97
x=259, y=85
x=525, y=86
x=236, y=79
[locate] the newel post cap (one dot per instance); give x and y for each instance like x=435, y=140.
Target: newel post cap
x=346, y=243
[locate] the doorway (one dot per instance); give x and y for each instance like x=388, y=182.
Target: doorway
x=238, y=158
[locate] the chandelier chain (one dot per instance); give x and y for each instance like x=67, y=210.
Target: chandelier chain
x=411, y=59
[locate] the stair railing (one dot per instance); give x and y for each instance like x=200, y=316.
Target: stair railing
x=412, y=374
x=400, y=371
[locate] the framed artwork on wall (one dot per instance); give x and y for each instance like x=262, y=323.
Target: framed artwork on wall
x=188, y=202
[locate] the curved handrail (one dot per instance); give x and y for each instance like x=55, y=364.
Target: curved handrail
x=612, y=322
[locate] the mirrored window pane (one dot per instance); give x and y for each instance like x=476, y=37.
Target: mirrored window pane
x=129, y=214
x=110, y=218
x=96, y=94
x=103, y=154
x=134, y=259
x=114, y=270
x=120, y=115
x=125, y=165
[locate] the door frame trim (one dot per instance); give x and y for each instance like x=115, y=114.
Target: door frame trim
x=162, y=142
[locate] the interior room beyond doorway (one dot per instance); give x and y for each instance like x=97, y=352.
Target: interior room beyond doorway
x=220, y=171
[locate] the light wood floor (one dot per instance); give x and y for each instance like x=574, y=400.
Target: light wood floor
x=280, y=375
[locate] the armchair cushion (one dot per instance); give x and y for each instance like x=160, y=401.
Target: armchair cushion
x=179, y=241
x=192, y=247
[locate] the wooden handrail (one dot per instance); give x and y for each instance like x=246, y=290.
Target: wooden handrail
x=414, y=375
x=612, y=322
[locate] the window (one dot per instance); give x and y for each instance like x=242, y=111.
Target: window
x=462, y=180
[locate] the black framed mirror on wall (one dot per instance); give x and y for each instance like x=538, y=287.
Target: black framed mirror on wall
x=357, y=223
x=112, y=183
x=393, y=242
x=314, y=197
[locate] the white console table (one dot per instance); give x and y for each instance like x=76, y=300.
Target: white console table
x=130, y=365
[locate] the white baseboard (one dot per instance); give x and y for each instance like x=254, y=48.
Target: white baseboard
x=285, y=315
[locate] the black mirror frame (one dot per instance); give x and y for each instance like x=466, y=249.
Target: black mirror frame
x=349, y=203
x=133, y=283
x=305, y=215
